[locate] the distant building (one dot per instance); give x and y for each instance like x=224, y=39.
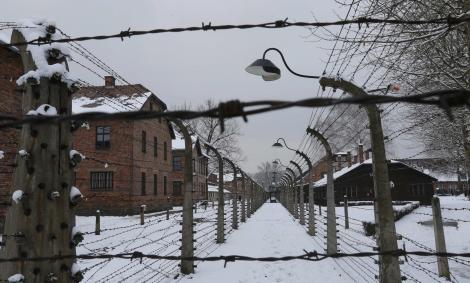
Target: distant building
x=200, y=169
x=356, y=182
x=450, y=180
x=129, y=162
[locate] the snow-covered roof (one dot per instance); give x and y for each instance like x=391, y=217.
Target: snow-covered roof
x=442, y=176
x=109, y=104
x=215, y=189
x=337, y=174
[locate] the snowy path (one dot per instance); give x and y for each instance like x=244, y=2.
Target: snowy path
x=271, y=231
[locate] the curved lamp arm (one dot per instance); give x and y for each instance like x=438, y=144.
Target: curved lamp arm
x=287, y=66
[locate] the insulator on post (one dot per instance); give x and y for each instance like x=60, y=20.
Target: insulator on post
x=53, y=195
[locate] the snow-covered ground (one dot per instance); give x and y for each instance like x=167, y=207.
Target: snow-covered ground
x=158, y=236
x=271, y=231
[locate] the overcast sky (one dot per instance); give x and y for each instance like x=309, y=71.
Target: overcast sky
x=192, y=67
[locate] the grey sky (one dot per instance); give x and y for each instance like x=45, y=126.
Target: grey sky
x=192, y=67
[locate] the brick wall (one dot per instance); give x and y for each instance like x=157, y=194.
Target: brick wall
x=146, y=162
x=11, y=103
x=199, y=176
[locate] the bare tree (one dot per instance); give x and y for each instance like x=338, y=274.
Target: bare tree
x=267, y=174
x=208, y=129
x=420, y=58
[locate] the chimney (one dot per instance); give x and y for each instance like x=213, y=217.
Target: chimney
x=360, y=152
x=338, y=162
x=109, y=81
x=366, y=154
x=349, y=159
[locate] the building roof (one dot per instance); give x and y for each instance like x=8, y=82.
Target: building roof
x=442, y=176
x=344, y=171
x=112, y=99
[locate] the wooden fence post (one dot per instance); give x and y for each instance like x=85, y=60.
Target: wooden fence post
x=42, y=213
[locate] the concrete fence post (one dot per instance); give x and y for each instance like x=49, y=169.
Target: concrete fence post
x=98, y=223
x=346, y=213
x=442, y=262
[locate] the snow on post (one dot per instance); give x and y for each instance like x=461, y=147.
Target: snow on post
x=76, y=272
x=75, y=157
x=43, y=110
x=77, y=236
x=75, y=195
x=2, y=154
x=17, y=278
x=40, y=53
x=23, y=153
x=17, y=196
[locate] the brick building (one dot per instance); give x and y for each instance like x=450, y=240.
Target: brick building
x=200, y=171
x=11, y=68
x=129, y=163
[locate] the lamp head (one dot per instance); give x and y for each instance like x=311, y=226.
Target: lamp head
x=264, y=68
x=277, y=144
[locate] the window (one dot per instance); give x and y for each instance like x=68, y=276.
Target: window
x=177, y=163
x=155, y=184
x=101, y=180
x=144, y=141
x=142, y=184
x=103, y=137
x=165, y=154
x=155, y=147
x=177, y=185
x=194, y=165
x=151, y=106
x=165, y=184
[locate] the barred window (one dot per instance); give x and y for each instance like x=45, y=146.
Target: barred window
x=101, y=180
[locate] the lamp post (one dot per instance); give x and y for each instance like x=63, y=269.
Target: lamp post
x=234, y=193
x=296, y=194
x=291, y=198
x=389, y=267
x=220, y=197
x=305, y=157
x=331, y=243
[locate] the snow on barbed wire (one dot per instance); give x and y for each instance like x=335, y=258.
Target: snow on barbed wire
x=40, y=53
x=17, y=196
x=43, y=110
